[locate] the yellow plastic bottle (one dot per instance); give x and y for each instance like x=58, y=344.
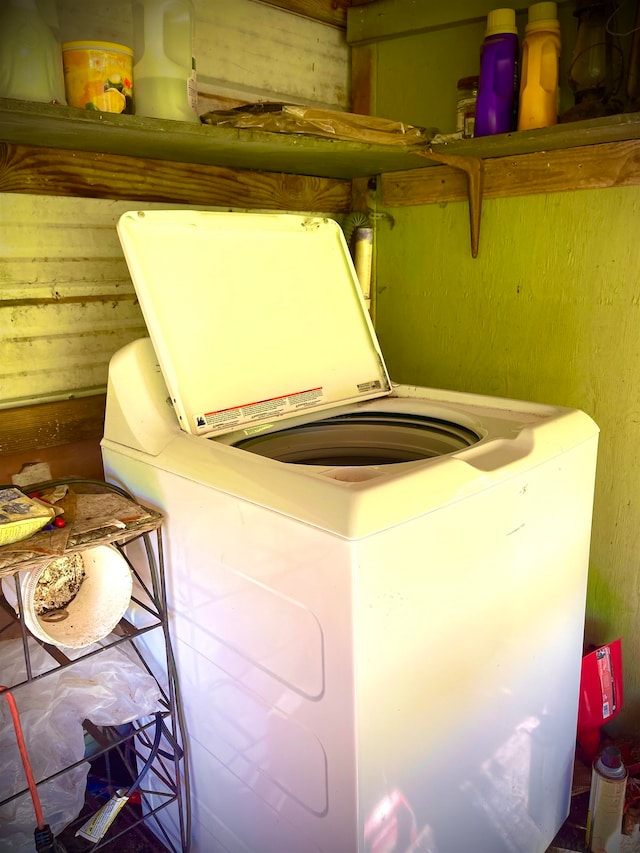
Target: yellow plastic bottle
x=539, y=76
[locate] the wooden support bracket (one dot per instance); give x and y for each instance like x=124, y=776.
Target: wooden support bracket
x=473, y=167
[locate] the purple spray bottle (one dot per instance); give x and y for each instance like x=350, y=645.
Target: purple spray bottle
x=497, y=90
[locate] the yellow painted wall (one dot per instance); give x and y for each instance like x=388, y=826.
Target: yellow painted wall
x=549, y=311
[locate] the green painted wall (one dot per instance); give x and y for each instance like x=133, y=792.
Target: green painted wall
x=417, y=74
x=549, y=311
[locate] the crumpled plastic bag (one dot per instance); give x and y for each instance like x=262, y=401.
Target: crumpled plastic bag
x=110, y=689
x=315, y=121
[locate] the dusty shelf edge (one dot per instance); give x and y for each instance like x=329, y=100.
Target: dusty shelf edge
x=55, y=126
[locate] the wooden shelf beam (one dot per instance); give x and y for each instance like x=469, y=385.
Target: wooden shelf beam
x=61, y=172
x=585, y=167
x=51, y=424
x=332, y=12
x=387, y=19
x=473, y=169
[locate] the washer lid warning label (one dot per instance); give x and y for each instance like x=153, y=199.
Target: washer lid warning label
x=367, y=387
x=276, y=407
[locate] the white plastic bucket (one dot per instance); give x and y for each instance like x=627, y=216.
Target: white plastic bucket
x=95, y=610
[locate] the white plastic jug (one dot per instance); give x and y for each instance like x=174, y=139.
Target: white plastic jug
x=30, y=54
x=164, y=71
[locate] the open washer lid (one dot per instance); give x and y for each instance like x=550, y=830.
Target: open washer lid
x=253, y=317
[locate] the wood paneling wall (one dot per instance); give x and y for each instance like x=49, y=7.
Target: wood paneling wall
x=246, y=50
x=66, y=300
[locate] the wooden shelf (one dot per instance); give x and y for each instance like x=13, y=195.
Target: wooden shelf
x=46, y=125
x=64, y=151
x=46, y=545
x=584, y=167
x=35, y=657
x=618, y=128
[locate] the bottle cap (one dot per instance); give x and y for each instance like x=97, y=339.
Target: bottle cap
x=468, y=83
x=612, y=757
x=502, y=21
x=542, y=15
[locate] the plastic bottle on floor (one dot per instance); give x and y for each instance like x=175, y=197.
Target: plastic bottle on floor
x=497, y=92
x=539, y=77
x=606, y=802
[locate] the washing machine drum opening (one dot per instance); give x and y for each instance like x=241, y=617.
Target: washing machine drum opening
x=362, y=439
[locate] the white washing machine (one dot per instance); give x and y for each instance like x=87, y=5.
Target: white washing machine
x=376, y=591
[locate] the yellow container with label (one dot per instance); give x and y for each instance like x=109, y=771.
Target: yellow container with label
x=98, y=76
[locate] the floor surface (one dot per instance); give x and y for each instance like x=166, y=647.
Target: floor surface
x=128, y=833
x=119, y=839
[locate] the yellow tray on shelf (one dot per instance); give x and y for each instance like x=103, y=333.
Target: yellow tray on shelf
x=21, y=516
